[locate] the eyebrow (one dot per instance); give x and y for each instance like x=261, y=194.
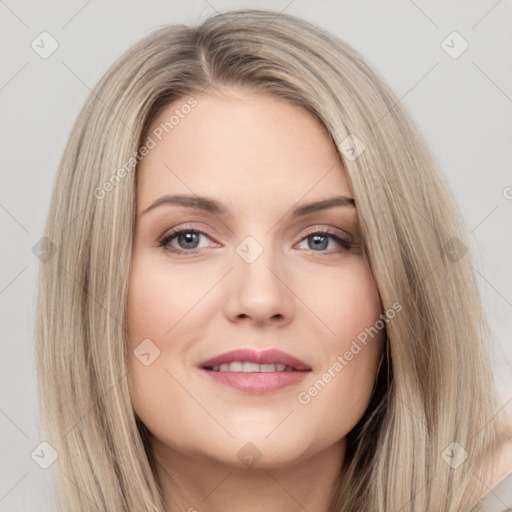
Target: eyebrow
x=215, y=207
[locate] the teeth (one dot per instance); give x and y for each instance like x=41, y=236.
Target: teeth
x=251, y=367
x=248, y=367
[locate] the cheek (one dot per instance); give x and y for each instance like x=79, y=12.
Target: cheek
x=152, y=310
x=164, y=318
x=349, y=304
x=160, y=300
x=351, y=353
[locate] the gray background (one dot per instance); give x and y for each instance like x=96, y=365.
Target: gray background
x=463, y=106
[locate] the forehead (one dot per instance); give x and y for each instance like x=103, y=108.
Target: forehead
x=241, y=147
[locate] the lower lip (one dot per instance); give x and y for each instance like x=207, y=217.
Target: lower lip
x=258, y=382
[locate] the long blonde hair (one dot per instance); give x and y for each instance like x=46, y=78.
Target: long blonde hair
x=435, y=387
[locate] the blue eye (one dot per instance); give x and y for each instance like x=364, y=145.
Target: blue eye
x=188, y=237
x=188, y=241
x=320, y=240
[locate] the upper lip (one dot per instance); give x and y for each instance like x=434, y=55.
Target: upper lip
x=270, y=356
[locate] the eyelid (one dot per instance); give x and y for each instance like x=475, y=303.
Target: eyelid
x=340, y=236
x=185, y=227
x=310, y=230
x=330, y=230
x=343, y=239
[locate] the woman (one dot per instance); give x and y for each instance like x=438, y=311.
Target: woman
x=262, y=297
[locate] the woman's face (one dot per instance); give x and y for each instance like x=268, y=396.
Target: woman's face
x=260, y=275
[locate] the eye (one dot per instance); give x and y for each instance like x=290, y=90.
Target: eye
x=187, y=239
x=319, y=240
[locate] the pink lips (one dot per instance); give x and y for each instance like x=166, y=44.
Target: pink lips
x=257, y=382
x=270, y=356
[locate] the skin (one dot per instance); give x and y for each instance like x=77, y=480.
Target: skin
x=502, y=460
x=261, y=156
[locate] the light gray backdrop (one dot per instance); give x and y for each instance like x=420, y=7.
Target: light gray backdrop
x=461, y=98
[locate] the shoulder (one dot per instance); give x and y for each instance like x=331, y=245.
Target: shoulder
x=504, y=463
x=498, y=494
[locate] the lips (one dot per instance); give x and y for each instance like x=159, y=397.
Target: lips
x=270, y=356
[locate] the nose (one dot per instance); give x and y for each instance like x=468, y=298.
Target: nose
x=260, y=292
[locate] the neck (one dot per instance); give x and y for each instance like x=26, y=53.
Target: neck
x=195, y=483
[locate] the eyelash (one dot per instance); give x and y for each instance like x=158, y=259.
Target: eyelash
x=165, y=241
